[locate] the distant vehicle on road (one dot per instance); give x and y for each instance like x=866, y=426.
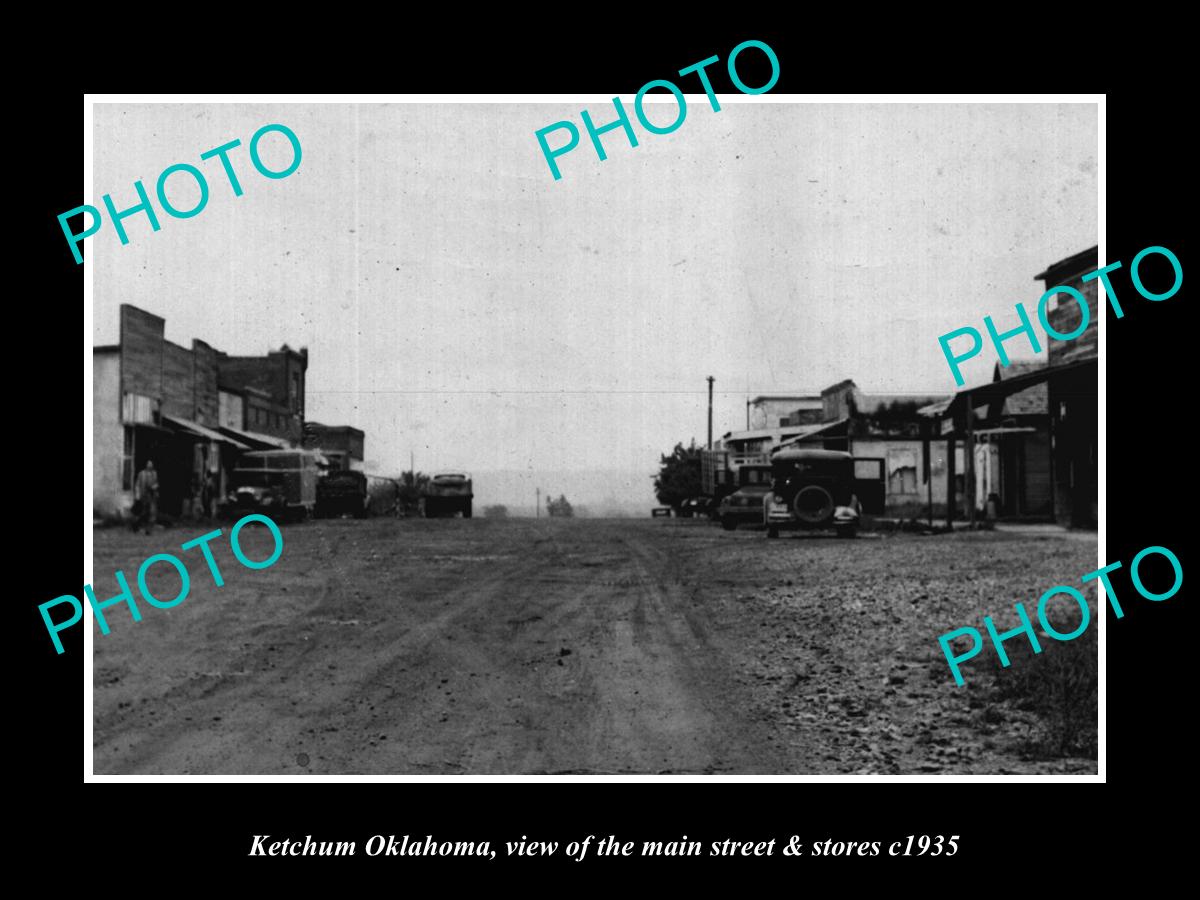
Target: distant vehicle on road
x=356, y=493
x=660, y=512
x=281, y=484
x=812, y=489
x=447, y=494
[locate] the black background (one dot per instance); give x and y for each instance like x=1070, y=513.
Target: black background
x=1004, y=828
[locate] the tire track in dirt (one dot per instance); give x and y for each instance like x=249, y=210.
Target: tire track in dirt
x=694, y=710
x=300, y=694
x=444, y=648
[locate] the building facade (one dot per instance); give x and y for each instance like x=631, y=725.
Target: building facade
x=342, y=445
x=1010, y=404
x=156, y=400
x=272, y=389
x=781, y=410
x=897, y=475
x=1012, y=450
x=1073, y=392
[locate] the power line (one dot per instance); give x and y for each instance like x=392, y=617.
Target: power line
x=502, y=391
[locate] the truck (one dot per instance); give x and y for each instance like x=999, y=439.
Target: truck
x=447, y=494
x=277, y=483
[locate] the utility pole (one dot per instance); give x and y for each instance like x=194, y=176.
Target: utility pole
x=710, y=384
x=747, y=413
x=538, y=508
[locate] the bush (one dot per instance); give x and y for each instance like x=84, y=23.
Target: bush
x=1058, y=686
x=560, y=507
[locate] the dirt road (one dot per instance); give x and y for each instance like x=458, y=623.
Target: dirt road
x=559, y=646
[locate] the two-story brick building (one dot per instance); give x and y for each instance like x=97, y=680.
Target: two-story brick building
x=269, y=392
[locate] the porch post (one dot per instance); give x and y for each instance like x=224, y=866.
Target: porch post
x=969, y=464
x=951, y=465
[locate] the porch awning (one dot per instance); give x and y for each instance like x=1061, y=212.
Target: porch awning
x=1005, y=429
x=836, y=428
x=997, y=390
x=198, y=430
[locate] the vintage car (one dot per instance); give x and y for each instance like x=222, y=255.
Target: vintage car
x=743, y=507
x=812, y=489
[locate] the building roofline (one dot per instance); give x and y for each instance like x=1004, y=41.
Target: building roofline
x=915, y=394
x=1079, y=262
x=815, y=397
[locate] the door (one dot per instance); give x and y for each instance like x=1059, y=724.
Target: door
x=1012, y=475
x=870, y=484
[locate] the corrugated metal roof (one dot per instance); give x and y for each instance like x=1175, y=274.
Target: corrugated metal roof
x=1032, y=401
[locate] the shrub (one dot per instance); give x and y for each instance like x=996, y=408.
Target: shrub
x=1058, y=686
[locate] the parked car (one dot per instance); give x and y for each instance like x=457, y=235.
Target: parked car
x=695, y=507
x=743, y=507
x=812, y=489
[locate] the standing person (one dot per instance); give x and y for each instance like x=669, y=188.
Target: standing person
x=210, y=495
x=145, y=492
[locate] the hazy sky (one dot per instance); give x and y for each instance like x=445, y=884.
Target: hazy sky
x=459, y=302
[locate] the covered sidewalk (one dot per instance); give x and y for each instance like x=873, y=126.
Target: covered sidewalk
x=957, y=419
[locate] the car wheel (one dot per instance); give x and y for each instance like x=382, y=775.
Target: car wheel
x=772, y=531
x=729, y=524
x=813, y=504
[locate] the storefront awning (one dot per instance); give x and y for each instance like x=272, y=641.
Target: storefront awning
x=257, y=441
x=198, y=430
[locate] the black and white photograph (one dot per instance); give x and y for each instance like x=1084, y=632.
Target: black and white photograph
x=430, y=445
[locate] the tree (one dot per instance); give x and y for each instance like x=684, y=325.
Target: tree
x=678, y=476
x=560, y=507
x=411, y=485
x=495, y=512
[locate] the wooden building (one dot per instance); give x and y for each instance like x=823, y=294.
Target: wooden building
x=1008, y=406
